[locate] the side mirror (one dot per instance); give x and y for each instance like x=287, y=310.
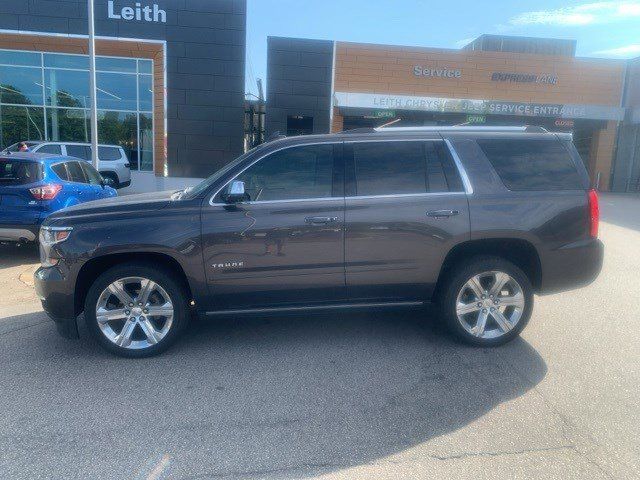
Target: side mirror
x=235, y=193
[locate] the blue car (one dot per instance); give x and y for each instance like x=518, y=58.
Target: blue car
x=34, y=185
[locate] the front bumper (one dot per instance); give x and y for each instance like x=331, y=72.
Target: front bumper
x=57, y=298
x=572, y=266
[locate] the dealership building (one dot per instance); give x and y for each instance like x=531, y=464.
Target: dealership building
x=170, y=79
x=318, y=86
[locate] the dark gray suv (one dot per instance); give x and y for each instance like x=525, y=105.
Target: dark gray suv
x=477, y=220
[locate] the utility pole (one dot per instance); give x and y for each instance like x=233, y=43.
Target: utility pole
x=92, y=86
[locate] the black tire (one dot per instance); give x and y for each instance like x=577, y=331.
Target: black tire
x=110, y=179
x=177, y=295
x=458, y=278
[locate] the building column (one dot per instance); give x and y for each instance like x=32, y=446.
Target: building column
x=601, y=155
x=337, y=123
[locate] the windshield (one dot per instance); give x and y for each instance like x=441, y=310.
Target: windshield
x=16, y=146
x=193, y=192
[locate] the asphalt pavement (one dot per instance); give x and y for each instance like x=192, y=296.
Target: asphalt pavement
x=385, y=395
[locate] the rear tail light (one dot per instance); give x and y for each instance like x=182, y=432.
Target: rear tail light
x=46, y=192
x=127, y=165
x=594, y=213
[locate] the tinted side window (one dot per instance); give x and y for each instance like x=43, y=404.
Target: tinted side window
x=395, y=168
x=79, y=151
x=108, y=153
x=61, y=171
x=92, y=175
x=75, y=172
x=532, y=164
x=294, y=173
x=55, y=149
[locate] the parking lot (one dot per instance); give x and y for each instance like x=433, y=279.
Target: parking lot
x=369, y=395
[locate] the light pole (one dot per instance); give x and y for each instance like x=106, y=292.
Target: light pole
x=92, y=86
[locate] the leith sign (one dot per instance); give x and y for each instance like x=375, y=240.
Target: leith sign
x=148, y=13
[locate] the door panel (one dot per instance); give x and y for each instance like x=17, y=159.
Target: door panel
x=283, y=245
x=394, y=250
x=268, y=254
x=405, y=208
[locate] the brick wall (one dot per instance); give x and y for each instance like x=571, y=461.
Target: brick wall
x=386, y=69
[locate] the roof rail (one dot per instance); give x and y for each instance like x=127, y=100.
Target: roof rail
x=464, y=128
x=361, y=130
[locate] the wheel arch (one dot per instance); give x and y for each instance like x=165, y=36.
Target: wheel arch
x=96, y=266
x=520, y=252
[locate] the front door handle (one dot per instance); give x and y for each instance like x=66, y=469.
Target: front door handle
x=320, y=220
x=442, y=213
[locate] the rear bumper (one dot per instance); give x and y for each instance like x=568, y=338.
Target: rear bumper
x=19, y=233
x=52, y=289
x=572, y=266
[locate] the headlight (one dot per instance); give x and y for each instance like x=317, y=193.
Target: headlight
x=50, y=236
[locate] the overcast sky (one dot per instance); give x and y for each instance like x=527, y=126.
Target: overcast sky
x=609, y=29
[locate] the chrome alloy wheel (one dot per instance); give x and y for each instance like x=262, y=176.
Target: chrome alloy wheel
x=490, y=304
x=134, y=313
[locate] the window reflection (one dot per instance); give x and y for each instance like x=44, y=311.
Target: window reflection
x=21, y=85
x=146, y=142
x=145, y=93
x=21, y=123
x=66, y=88
x=120, y=128
x=116, y=91
x=68, y=125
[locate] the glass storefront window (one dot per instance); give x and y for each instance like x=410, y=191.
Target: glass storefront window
x=145, y=93
x=145, y=66
x=116, y=91
x=68, y=125
x=146, y=142
x=66, y=88
x=21, y=85
x=20, y=123
x=56, y=60
x=8, y=57
x=120, y=128
x=45, y=96
x=108, y=64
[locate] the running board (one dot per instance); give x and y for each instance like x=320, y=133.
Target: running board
x=335, y=306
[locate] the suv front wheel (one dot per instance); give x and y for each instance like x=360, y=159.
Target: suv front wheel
x=135, y=310
x=488, y=302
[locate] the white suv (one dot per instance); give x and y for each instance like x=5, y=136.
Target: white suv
x=113, y=163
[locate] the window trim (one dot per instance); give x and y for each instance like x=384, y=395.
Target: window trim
x=468, y=189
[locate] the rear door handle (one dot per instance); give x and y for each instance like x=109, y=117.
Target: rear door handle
x=320, y=220
x=442, y=213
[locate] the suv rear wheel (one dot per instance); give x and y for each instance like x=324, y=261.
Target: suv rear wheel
x=135, y=310
x=488, y=302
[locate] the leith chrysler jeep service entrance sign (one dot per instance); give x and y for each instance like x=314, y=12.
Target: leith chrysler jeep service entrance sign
x=148, y=13
x=461, y=105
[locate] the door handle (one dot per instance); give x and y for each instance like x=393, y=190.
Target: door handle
x=320, y=220
x=442, y=213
